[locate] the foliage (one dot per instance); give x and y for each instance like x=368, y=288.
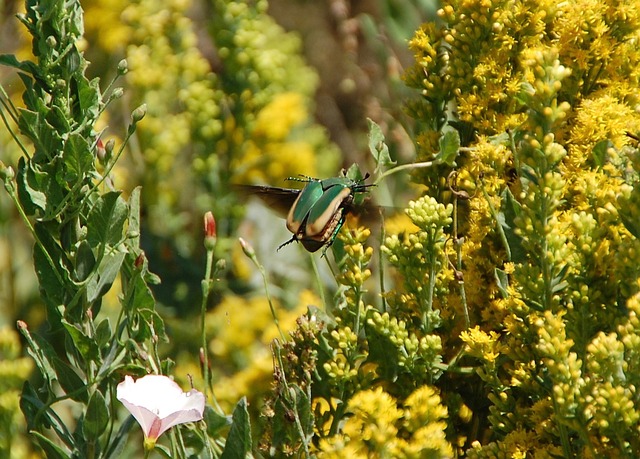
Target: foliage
x=229, y=101
x=86, y=235
x=506, y=324
x=516, y=295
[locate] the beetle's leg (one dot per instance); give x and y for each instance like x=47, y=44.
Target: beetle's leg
x=293, y=239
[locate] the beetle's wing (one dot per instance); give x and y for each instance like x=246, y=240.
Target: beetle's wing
x=278, y=199
x=325, y=209
x=368, y=212
x=307, y=199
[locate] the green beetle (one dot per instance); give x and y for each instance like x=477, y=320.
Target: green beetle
x=316, y=212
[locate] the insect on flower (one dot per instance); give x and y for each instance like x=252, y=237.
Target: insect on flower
x=316, y=212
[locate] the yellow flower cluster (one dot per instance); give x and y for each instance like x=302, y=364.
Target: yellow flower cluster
x=417, y=355
x=480, y=344
x=377, y=427
x=416, y=252
x=341, y=368
x=548, y=92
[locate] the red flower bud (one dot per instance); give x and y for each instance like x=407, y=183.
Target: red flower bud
x=139, y=262
x=210, y=236
x=101, y=152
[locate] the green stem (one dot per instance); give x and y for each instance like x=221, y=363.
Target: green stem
x=316, y=273
x=11, y=190
x=338, y=415
x=494, y=214
x=266, y=289
x=458, y=245
x=207, y=282
x=404, y=167
x=358, y=297
x=426, y=313
x=292, y=405
x=381, y=265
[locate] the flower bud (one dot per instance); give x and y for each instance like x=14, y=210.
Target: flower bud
x=139, y=262
x=6, y=172
x=210, y=236
x=123, y=67
x=139, y=113
x=101, y=152
x=117, y=93
x=247, y=248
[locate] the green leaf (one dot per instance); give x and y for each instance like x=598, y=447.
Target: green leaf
x=104, y=276
x=502, y=280
x=85, y=261
x=84, y=344
x=354, y=173
x=163, y=451
x=10, y=60
x=153, y=325
x=70, y=381
x=139, y=294
x=103, y=332
x=31, y=407
x=96, y=418
x=302, y=406
x=89, y=98
x=30, y=97
x=599, y=152
x=133, y=221
x=449, y=147
x=215, y=422
x=42, y=353
x=77, y=157
x=44, y=136
x=58, y=119
x=558, y=282
x=238, y=443
x=631, y=223
x=31, y=188
x=37, y=188
x=28, y=124
x=284, y=430
x=509, y=210
x=377, y=146
x=52, y=289
x=51, y=450
x=106, y=219
x=113, y=360
x=120, y=440
x=41, y=416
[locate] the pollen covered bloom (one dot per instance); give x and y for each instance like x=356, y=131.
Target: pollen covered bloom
x=158, y=404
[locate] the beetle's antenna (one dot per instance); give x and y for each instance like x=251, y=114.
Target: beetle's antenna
x=360, y=186
x=300, y=178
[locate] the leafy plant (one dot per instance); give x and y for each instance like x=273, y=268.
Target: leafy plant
x=87, y=241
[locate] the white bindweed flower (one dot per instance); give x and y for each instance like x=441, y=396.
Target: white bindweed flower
x=158, y=404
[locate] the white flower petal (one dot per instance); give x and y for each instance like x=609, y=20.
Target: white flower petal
x=158, y=403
